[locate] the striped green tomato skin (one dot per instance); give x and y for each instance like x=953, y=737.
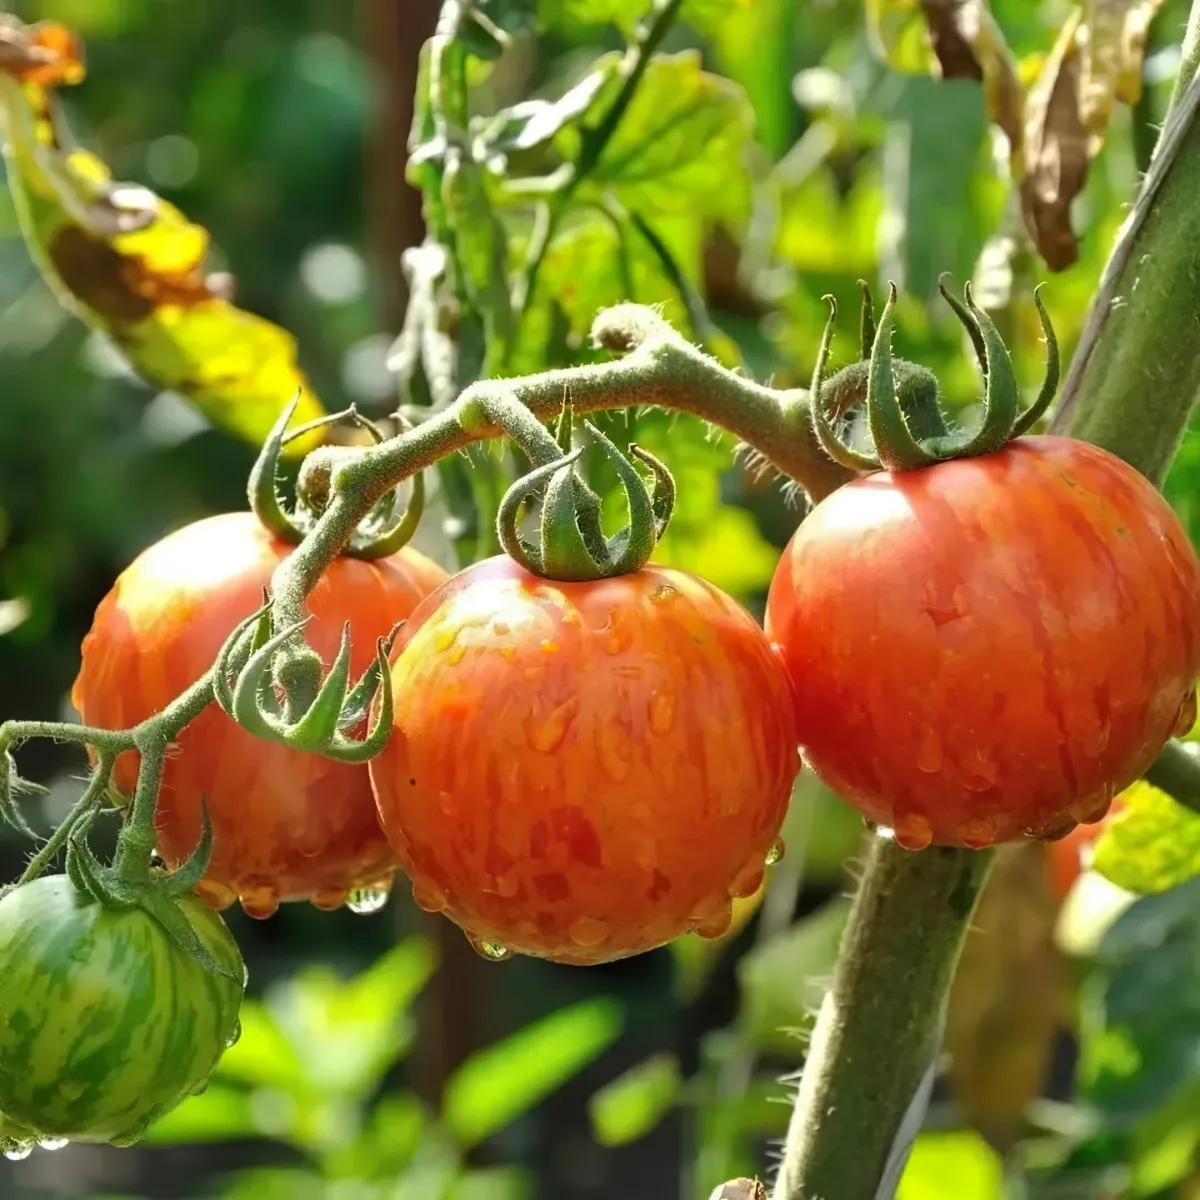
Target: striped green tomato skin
x=105, y=1023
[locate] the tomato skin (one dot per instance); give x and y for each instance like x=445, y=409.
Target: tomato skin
x=992, y=647
x=584, y=771
x=105, y=1023
x=287, y=825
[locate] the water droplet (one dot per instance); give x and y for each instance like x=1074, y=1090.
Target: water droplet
x=612, y=746
x=367, y=900
x=499, y=628
x=913, y=831
x=260, y=902
x=715, y=922
x=978, y=772
x=445, y=639
x=216, y=895
x=19, y=1151
x=508, y=651
x=456, y=655
x=548, y=646
x=663, y=594
x=776, y=852
x=200, y=1089
x=929, y=751
x=1186, y=717
x=53, y=1143
x=486, y=948
x=428, y=896
x=588, y=932
x=327, y=899
x=533, y=674
x=448, y=803
x=235, y=1034
x=547, y=736
x=977, y=834
x=747, y=881
x=507, y=886
x=662, y=711
x=1092, y=808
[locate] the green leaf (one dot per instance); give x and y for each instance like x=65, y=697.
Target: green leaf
x=899, y=34
x=962, y=1157
x=497, y=1085
x=783, y=980
x=263, y=1054
x=217, y=1115
x=576, y=15
x=1151, y=844
x=1140, y=1011
x=495, y=1183
x=682, y=146
x=633, y=1104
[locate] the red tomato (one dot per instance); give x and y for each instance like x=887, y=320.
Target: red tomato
x=584, y=771
x=992, y=647
x=287, y=825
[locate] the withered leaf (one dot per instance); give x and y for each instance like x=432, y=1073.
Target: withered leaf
x=1009, y=996
x=968, y=44
x=1111, y=57
x=128, y=263
x=1057, y=150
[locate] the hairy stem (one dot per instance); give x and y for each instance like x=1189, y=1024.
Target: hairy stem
x=87, y=803
x=880, y=1026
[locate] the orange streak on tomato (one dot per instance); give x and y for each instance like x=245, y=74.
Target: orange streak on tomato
x=287, y=825
x=585, y=771
x=992, y=647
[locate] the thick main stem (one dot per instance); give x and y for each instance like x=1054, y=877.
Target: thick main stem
x=880, y=1026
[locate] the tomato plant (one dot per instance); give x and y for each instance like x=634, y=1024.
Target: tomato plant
x=992, y=647
x=105, y=1021
x=584, y=771
x=288, y=825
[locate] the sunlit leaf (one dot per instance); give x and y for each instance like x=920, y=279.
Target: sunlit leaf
x=783, y=980
x=632, y=1105
x=262, y=1055
x=497, y=1085
x=217, y=1115
x=681, y=146
x=1111, y=57
x=899, y=34
x=132, y=266
x=1009, y=997
x=12, y=614
x=964, y=1158
x=1151, y=844
x=625, y=14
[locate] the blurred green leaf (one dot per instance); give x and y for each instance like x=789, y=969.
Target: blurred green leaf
x=899, y=34
x=633, y=1104
x=495, y=1183
x=1140, y=1011
x=625, y=14
x=682, y=146
x=782, y=980
x=962, y=1161
x=263, y=1054
x=216, y=1115
x=12, y=614
x=497, y=1085
x=1151, y=844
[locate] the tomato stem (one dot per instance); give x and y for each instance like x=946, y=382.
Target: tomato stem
x=1176, y=771
x=879, y=1030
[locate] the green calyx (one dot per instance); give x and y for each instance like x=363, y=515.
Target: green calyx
x=244, y=686
x=902, y=401
x=571, y=544
x=380, y=533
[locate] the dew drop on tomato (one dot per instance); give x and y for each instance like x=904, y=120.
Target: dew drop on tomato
x=235, y=1034
x=327, y=899
x=929, y=751
x=486, y=948
x=428, y=896
x=1186, y=717
x=19, y=1151
x=714, y=923
x=747, y=881
x=977, y=834
x=776, y=852
x=260, y=902
x=662, y=711
x=367, y=900
x=913, y=831
x=588, y=932
x=53, y=1143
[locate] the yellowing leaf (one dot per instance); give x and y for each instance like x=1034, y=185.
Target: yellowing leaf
x=962, y=1162
x=1111, y=57
x=1151, y=845
x=131, y=265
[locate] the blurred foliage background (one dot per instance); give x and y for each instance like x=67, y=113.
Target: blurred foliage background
x=777, y=155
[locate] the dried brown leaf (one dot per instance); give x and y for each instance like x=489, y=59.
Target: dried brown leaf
x=740, y=1189
x=1111, y=57
x=1057, y=150
x=1009, y=997
x=969, y=44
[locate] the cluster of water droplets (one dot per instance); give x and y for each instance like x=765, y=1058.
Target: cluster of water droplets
x=17, y=1150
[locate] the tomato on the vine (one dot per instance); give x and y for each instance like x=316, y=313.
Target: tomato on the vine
x=992, y=647
x=106, y=1022
x=287, y=825
x=584, y=771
